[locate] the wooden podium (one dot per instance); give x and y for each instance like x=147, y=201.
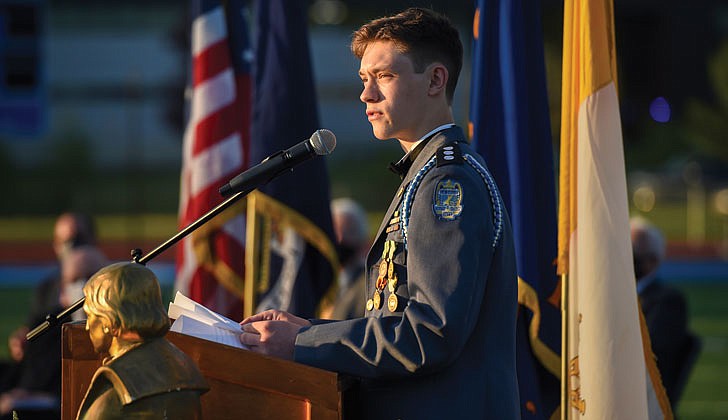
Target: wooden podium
x=242, y=384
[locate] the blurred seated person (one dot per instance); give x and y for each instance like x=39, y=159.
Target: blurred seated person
x=71, y=230
x=144, y=375
x=37, y=385
x=665, y=310
x=352, y=243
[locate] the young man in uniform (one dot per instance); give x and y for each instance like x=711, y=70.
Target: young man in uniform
x=438, y=338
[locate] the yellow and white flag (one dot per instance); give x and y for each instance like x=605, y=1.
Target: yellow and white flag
x=611, y=370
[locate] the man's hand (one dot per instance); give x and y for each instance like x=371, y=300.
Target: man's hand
x=272, y=333
x=276, y=315
x=10, y=398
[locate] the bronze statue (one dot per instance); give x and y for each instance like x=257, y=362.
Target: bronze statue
x=144, y=375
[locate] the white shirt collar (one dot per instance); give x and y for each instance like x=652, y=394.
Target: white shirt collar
x=437, y=129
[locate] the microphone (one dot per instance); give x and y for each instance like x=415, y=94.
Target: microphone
x=322, y=142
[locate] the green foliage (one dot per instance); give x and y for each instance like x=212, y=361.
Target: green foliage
x=71, y=155
x=45, y=191
x=656, y=144
x=708, y=123
x=14, y=304
x=709, y=127
x=64, y=175
x=718, y=71
x=69, y=179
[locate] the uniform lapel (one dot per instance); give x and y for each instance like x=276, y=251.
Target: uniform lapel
x=446, y=136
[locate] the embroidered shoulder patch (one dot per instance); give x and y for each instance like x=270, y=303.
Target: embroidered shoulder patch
x=449, y=154
x=447, y=201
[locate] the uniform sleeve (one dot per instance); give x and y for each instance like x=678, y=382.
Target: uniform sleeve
x=447, y=261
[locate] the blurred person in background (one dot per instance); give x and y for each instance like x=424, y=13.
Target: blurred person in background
x=352, y=243
x=34, y=383
x=665, y=311
x=71, y=230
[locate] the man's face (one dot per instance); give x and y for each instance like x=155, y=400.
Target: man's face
x=63, y=233
x=395, y=96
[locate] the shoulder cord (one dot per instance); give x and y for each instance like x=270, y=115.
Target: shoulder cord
x=495, y=199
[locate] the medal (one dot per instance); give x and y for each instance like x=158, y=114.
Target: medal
x=392, y=302
x=387, y=277
x=377, y=299
x=392, y=283
x=383, y=268
x=381, y=282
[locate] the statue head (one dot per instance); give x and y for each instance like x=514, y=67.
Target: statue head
x=123, y=300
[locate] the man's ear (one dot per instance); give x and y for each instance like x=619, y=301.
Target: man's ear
x=438, y=79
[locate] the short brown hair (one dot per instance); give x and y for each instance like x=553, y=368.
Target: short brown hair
x=423, y=35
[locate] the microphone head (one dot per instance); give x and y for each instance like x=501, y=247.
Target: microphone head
x=323, y=141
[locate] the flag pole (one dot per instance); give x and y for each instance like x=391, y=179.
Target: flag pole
x=564, y=346
x=252, y=257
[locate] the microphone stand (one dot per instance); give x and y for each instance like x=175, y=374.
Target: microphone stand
x=136, y=254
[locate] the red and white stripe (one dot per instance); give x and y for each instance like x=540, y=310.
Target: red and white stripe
x=215, y=148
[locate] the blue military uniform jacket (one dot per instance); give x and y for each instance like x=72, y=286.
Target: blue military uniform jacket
x=439, y=342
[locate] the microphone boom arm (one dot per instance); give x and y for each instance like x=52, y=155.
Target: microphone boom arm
x=322, y=142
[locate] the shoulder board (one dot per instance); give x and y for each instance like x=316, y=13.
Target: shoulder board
x=449, y=154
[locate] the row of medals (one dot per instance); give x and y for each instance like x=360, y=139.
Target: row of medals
x=387, y=277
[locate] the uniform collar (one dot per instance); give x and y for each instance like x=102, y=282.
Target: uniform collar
x=403, y=165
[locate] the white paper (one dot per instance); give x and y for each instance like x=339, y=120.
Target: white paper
x=195, y=328
x=195, y=320
x=183, y=305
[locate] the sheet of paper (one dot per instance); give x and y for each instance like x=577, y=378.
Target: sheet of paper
x=183, y=305
x=190, y=326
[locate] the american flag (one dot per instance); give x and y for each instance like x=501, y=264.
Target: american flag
x=210, y=263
